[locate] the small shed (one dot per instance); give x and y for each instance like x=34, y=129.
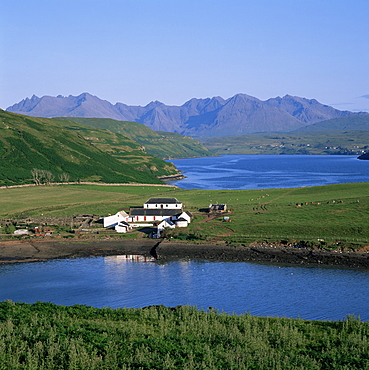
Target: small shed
x=166, y=223
x=184, y=219
x=182, y=222
x=122, y=227
x=21, y=232
x=217, y=208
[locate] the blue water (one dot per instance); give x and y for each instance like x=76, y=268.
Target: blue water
x=261, y=289
x=239, y=287
x=270, y=171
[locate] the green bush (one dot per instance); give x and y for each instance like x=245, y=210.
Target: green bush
x=47, y=336
x=9, y=229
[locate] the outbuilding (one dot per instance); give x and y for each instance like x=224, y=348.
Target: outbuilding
x=112, y=221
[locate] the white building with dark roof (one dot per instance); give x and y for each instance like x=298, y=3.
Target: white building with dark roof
x=112, y=221
x=145, y=214
x=163, y=203
x=167, y=211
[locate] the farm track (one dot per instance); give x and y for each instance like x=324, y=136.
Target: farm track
x=85, y=183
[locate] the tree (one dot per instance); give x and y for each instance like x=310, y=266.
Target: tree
x=42, y=176
x=48, y=177
x=64, y=177
x=36, y=174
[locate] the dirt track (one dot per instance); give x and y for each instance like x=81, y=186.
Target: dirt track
x=42, y=250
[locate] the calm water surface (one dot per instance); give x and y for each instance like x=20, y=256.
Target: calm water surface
x=270, y=171
x=262, y=290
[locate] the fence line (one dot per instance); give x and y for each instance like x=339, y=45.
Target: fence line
x=86, y=183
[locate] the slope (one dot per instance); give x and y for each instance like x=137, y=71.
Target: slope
x=350, y=123
x=160, y=144
x=44, y=144
x=353, y=142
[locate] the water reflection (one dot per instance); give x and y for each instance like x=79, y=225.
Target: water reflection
x=127, y=258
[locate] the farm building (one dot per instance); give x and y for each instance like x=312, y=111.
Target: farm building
x=163, y=203
x=112, y=221
x=145, y=214
x=217, y=207
x=122, y=227
x=167, y=211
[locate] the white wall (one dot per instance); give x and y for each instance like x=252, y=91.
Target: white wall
x=163, y=206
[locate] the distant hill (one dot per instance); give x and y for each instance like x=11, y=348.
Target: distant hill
x=158, y=143
x=343, y=142
x=211, y=117
x=350, y=123
x=68, y=150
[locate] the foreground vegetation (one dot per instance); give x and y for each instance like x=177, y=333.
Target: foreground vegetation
x=329, y=217
x=47, y=336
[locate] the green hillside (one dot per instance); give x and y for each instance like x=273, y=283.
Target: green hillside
x=341, y=124
x=161, y=144
x=61, y=153
x=353, y=142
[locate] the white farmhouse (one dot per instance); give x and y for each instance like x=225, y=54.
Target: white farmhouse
x=167, y=211
x=143, y=215
x=114, y=220
x=157, y=209
x=163, y=203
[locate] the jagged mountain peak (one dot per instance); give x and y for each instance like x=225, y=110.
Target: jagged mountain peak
x=154, y=104
x=239, y=114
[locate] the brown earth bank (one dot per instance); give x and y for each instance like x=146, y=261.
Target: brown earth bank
x=42, y=250
x=268, y=253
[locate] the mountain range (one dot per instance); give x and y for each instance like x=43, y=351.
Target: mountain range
x=210, y=117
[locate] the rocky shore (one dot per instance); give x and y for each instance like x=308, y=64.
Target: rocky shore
x=273, y=253
x=42, y=250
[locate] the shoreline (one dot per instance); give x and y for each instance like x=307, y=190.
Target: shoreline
x=164, y=250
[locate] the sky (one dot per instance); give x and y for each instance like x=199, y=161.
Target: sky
x=138, y=51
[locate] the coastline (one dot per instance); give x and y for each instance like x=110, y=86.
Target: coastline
x=165, y=250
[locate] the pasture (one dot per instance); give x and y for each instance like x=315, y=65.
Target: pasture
x=332, y=216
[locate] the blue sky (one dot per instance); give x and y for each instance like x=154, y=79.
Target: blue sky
x=137, y=51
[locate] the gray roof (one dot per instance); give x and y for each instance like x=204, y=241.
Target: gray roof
x=153, y=212
x=163, y=201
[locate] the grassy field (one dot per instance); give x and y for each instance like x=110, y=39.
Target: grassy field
x=332, y=217
x=46, y=336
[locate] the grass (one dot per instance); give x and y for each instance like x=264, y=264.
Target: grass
x=65, y=148
x=335, y=214
x=47, y=336
x=158, y=143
